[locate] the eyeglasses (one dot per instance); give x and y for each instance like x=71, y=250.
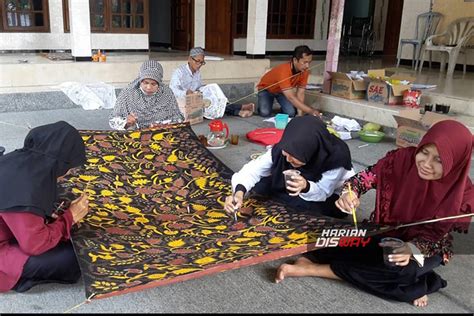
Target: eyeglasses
x=202, y=63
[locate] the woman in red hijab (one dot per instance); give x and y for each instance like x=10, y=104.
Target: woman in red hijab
x=413, y=184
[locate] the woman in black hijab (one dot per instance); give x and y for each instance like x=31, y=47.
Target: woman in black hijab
x=323, y=160
x=34, y=249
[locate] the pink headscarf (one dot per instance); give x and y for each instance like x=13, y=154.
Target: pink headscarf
x=403, y=197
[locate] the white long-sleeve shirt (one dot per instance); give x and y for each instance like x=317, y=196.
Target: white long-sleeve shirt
x=331, y=181
x=183, y=80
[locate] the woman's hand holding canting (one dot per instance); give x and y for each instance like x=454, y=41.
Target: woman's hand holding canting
x=234, y=202
x=79, y=208
x=347, y=202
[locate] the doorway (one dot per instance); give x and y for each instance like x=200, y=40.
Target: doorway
x=392, y=27
x=182, y=29
x=219, y=26
x=160, y=24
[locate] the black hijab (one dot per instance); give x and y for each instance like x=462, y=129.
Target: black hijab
x=28, y=176
x=307, y=139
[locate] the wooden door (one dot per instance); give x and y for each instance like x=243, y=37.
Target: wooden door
x=181, y=24
x=392, y=28
x=219, y=26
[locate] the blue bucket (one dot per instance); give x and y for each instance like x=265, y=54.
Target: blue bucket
x=281, y=120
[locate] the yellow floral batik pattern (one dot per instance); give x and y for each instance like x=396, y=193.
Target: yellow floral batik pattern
x=156, y=212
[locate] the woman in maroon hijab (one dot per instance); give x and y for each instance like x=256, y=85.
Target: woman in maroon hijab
x=413, y=184
x=34, y=240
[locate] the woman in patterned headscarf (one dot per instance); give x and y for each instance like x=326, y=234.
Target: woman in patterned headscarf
x=146, y=101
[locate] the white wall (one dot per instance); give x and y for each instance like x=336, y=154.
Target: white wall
x=200, y=23
x=411, y=9
x=57, y=39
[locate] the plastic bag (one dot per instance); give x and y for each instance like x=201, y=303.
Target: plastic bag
x=218, y=100
x=412, y=98
x=91, y=96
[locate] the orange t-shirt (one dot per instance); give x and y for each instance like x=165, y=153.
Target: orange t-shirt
x=282, y=74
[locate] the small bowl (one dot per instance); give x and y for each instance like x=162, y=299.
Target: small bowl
x=371, y=136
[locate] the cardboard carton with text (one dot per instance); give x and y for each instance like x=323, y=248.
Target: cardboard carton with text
x=412, y=125
x=192, y=108
x=342, y=85
x=387, y=89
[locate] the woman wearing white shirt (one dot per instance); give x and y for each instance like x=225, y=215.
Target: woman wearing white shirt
x=324, y=162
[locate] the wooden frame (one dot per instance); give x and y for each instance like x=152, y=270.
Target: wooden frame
x=108, y=6
x=28, y=13
x=289, y=19
x=240, y=10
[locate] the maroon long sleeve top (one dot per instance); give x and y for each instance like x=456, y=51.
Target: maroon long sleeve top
x=23, y=235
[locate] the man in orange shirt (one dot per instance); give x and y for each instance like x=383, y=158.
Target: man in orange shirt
x=280, y=82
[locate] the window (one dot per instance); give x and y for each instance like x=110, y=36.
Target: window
x=128, y=16
x=97, y=15
x=291, y=18
x=286, y=18
x=240, y=12
x=116, y=16
x=24, y=16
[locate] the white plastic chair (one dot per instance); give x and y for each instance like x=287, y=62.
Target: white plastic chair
x=426, y=24
x=455, y=37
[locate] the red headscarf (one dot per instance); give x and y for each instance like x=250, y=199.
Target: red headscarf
x=403, y=197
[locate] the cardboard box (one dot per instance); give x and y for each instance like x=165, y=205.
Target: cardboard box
x=382, y=91
x=342, y=85
x=192, y=108
x=412, y=125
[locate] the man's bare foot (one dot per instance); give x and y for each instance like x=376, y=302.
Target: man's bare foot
x=421, y=302
x=248, y=107
x=244, y=113
x=299, y=268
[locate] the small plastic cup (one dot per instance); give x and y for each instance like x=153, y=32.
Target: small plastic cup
x=389, y=245
x=446, y=108
x=288, y=174
x=281, y=120
x=234, y=139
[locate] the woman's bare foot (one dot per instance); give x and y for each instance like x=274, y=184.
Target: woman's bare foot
x=421, y=302
x=301, y=267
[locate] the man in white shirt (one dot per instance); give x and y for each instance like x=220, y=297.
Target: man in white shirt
x=186, y=79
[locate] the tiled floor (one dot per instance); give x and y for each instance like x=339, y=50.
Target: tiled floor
x=460, y=85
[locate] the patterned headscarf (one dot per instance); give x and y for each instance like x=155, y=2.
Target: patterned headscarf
x=159, y=108
x=196, y=51
x=150, y=69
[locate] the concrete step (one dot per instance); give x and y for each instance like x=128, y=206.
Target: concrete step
x=459, y=106
x=370, y=112
x=36, y=99
x=46, y=76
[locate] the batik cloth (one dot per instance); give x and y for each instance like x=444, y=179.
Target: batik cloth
x=157, y=214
